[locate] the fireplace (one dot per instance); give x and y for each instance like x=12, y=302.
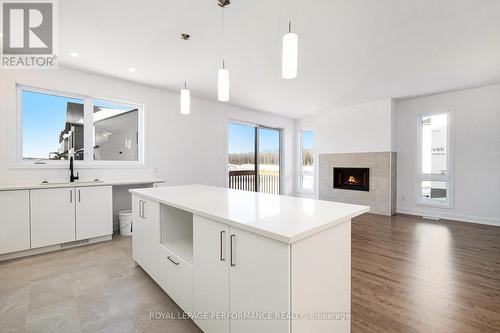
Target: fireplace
x=357, y=179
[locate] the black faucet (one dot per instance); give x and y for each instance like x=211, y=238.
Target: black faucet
x=72, y=177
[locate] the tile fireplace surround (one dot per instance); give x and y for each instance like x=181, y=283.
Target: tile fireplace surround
x=382, y=194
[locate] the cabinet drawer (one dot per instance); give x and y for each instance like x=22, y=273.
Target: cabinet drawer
x=176, y=278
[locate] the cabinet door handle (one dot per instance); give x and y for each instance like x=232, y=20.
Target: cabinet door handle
x=70, y=196
x=231, y=250
x=140, y=208
x=221, y=257
x=143, y=209
x=172, y=261
x=79, y=196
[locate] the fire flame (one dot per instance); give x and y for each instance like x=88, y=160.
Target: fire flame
x=352, y=180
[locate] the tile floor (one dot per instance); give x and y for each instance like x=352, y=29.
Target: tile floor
x=95, y=288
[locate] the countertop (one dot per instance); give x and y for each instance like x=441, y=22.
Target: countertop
x=283, y=218
x=80, y=184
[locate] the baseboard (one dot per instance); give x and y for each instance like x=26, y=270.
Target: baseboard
x=52, y=248
x=451, y=216
x=305, y=195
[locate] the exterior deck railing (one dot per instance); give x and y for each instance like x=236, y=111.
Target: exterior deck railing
x=269, y=182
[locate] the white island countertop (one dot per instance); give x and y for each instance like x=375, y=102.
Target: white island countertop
x=283, y=218
x=81, y=183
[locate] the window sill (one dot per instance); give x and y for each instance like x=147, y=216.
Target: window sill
x=435, y=205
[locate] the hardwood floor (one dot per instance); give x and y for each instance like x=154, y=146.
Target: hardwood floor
x=416, y=275
x=408, y=275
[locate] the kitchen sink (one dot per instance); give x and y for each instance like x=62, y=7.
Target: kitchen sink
x=95, y=181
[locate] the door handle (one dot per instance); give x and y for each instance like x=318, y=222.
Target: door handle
x=143, y=209
x=79, y=196
x=140, y=208
x=221, y=256
x=70, y=196
x=172, y=261
x=231, y=249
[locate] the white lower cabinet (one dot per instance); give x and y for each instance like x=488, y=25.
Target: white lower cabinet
x=61, y=215
x=52, y=216
x=146, y=234
x=241, y=273
x=211, y=273
x=94, y=212
x=259, y=281
x=15, y=222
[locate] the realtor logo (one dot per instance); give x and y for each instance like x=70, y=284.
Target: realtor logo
x=28, y=34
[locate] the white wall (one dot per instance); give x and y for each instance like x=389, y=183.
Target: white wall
x=351, y=129
x=476, y=126
x=181, y=149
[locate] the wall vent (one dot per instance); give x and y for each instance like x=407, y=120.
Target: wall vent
x=75, y=243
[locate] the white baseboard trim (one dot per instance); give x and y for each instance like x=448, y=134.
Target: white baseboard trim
x=451, y=216
x=306, y=195
x=51, y=248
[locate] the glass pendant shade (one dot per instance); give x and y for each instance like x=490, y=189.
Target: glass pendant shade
x=223, y=83
x=290, y=55
x=185, y=101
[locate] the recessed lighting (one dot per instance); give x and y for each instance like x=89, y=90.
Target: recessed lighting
x=131, y=69
x=74, y=54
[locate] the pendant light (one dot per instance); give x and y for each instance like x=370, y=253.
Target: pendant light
x=223, y=74
x=185, y=93
x=290, y=51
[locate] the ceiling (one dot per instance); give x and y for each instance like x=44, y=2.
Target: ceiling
x=349, y=51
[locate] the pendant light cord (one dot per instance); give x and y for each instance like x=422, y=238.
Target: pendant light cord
x=185, y=67
x=223, y=38
x=290, y=16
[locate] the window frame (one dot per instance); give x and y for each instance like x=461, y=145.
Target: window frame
x=308, y=173
x=449, y=177
x=88, y=161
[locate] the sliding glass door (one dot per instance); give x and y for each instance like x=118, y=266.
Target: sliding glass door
x=241, y=151
x=246, y=172
x=268, y=164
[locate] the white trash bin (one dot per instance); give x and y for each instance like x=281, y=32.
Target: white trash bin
x=125, y=217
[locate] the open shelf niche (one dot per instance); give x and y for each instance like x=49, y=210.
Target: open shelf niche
x=177, y=231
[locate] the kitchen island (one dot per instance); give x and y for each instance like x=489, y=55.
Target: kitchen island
x=239, y=261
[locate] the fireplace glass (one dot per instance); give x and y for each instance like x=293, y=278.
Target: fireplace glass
x=357, y=179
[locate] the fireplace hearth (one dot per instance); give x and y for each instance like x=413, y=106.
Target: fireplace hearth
x=357, y=179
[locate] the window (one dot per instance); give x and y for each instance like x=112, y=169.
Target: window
x=54, y=126
x=261, y=174
x=307, y=171
x=434, y=162
x=116, y=128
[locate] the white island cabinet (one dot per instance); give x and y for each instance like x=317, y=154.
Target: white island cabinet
x=241, y=261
